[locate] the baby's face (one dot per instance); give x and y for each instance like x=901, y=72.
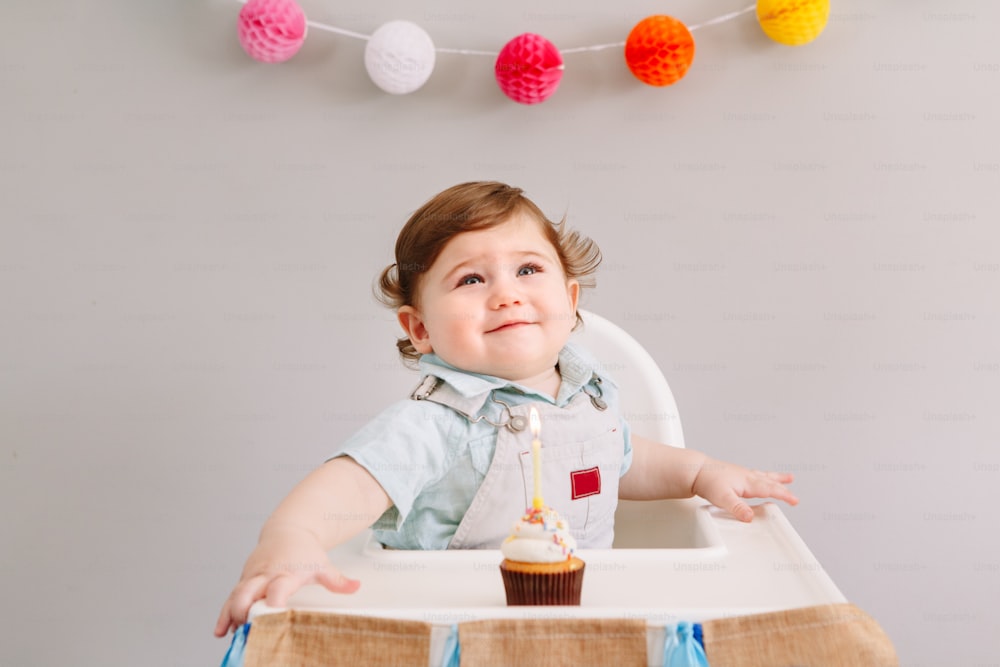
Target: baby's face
x=496, y=302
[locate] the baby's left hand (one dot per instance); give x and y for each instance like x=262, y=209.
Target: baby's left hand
x=725, y=485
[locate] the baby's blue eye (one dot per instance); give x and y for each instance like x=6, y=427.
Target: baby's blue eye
x=528, y=269
x=471, y=279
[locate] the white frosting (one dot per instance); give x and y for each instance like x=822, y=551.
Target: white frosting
x=539, y=537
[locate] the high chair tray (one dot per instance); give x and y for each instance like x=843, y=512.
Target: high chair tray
x=713, y=566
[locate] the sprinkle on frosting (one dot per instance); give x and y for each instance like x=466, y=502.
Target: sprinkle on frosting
x=540, y=536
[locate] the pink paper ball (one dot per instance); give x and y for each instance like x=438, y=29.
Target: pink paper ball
x=529, y=68
x=271, y=31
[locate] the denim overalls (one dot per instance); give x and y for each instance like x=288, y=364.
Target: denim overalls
x=582, y=454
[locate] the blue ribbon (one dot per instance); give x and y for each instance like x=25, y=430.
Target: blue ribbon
x=234, y=656
x=682, y=646
x=452, y=651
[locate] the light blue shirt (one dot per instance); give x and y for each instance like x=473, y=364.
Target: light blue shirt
x=431, y=460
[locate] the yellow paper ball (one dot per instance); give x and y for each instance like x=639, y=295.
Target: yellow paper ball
x=793, y=22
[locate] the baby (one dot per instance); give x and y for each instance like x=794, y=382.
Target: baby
x=485, y=288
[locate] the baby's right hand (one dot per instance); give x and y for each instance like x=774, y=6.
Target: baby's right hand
x=286, y=559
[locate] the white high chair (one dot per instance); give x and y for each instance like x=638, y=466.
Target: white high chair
x=673, y=560
x=648, y=403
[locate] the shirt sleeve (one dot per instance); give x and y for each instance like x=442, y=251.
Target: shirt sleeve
x=405, y=449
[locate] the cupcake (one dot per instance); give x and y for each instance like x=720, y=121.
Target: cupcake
x=539, y=567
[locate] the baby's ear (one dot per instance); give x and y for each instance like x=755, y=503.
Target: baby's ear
x=573, y=292
x=413, y=324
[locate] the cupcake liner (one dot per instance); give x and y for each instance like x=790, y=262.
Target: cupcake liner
x=550, y=588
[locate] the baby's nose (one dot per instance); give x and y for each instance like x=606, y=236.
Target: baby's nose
x=504, y=294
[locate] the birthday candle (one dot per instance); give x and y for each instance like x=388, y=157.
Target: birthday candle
x=536, y=458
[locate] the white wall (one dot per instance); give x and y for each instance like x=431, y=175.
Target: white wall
x=806, y=240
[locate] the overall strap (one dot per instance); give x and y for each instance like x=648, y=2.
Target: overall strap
x=438, y=391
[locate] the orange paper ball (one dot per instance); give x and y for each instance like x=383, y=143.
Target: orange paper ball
x=659, y=50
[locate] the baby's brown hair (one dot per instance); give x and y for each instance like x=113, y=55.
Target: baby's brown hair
x=470, y=207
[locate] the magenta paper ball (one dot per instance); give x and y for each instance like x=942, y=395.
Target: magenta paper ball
x=529, y=68
x=271, y=31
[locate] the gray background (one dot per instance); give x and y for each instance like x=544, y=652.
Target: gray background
x=805, y=238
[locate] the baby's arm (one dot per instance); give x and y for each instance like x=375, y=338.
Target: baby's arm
x=659, y=471
x=331, y=505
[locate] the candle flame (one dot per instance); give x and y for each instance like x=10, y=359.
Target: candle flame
x=535, y=422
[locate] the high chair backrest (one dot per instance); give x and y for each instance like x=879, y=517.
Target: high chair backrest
x=647, y=402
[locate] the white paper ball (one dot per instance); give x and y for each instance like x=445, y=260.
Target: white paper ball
x=399, y=57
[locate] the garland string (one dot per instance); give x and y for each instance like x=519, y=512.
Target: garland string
x=473, y=52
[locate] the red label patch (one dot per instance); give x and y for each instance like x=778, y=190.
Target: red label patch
x=585, y=482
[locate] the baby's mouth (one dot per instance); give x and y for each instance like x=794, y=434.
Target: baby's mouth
x=509, y=325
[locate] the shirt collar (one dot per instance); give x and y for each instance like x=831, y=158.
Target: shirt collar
x=576, y=366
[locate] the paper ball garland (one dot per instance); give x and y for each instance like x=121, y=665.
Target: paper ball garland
x=659, y=50
x=271, y=31
x=793, y=22
x=399, y=57
x=529, y=68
